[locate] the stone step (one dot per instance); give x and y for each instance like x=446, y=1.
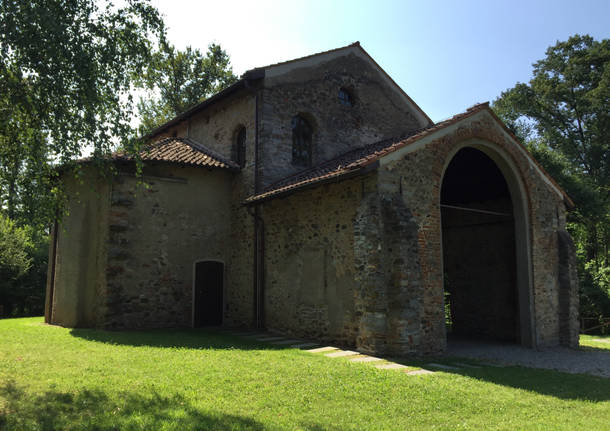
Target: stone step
x=341, y=353
x=418, y=372
x=442, y=366
x=322, y=349
x=366, y=359
x=462, y=364
x=390, y=366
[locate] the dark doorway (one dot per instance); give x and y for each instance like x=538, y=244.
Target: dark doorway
x=208, y=294
x=479, y=252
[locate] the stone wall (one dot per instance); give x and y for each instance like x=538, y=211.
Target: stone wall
x=158, y=230
x=309, y=262
x=415, y=174
x=216, y=127
x=81, y=251
x=378, y=112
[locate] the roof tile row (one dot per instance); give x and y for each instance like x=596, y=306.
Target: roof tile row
x=353, y=160
x=184, y=151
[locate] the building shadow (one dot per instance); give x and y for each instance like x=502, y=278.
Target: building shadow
x=558, y=384
x=94, y=409
x=205, y=338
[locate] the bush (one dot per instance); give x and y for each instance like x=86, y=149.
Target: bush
x=23, y=269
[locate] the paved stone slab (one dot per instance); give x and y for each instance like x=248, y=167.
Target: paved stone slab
x=461, y=364
x=270, y=338
x=418, y=372
x=322, y=349
x=286, y=342
x=443, y=366
x=366, y=359
x=341, y=353
x=391, y=366
x=303, y=345
x=491, y=364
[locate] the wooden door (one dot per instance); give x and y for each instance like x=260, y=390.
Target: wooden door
x=208, y=293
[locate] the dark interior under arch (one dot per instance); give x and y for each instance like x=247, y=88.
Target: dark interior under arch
x=479, y=256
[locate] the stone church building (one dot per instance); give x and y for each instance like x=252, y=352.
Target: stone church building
x=315, y=199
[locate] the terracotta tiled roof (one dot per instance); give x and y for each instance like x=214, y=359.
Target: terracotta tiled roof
x=184, y=151
x=357, y=161
x=353, y=161
x=350, y=162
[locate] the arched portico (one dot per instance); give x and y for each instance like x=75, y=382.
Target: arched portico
x=486, y=243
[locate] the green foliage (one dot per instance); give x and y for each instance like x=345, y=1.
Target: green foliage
x=563, y=116
x=23, y=268
x=177, y=80
x=66, y=72
x=15, y=247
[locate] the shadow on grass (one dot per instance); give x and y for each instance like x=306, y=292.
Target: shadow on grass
x=175, y=338
x=94, y=409
x=557, y=384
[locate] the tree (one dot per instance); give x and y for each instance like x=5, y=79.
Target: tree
x=67, y=69
x=563, y=116
x=23, y=260
x=66, y=72
x=178, y=80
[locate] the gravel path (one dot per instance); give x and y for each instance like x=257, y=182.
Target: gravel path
x=595, y=362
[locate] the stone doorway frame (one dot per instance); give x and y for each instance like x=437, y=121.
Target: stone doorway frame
x=523, y=246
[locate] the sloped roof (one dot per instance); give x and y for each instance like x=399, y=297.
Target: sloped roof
x=360, y=160
x=184, y=151
x=259, y=72
x=346, y=163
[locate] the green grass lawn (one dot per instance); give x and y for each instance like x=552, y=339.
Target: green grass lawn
x=53, y=378
x=595, y=341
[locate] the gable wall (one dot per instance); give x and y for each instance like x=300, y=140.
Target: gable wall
x=379, y=111
x=414, y=179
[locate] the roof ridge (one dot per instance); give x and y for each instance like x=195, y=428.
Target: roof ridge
x=280, y=63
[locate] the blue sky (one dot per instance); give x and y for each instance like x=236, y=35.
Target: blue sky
x=447, y=55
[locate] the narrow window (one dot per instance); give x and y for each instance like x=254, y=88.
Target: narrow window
x=345, y=97
x=239, y=147
x=301, y=141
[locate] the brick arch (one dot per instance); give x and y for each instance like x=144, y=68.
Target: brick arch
x=415, y=171
x=513, y=173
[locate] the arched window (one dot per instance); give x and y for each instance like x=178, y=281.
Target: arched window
x=345, y=97
x=302, y=133
x=239, y=147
